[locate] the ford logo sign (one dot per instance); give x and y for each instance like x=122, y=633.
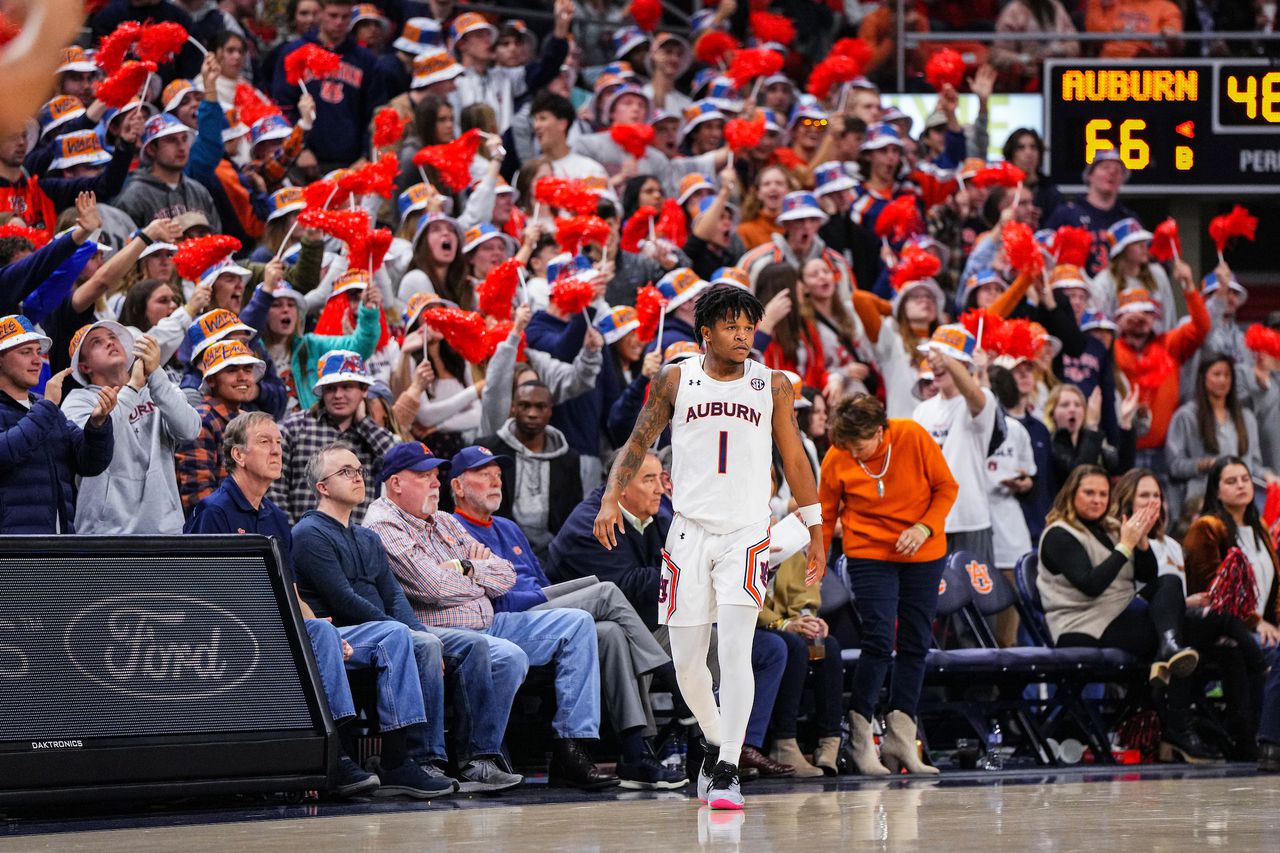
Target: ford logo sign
x=160, y=647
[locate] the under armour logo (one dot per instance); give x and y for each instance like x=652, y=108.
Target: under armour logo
x=695, y=381
x=681, y=535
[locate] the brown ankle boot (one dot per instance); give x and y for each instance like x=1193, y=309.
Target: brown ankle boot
x=827, y=754
x=787, y=751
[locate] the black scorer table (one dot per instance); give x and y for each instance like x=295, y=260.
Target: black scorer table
x=1181, y=126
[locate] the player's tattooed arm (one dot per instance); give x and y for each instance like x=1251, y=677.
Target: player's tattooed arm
x=786, y=435
x=653, y=419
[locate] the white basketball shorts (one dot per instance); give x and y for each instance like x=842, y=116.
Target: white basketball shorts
x=702, y=570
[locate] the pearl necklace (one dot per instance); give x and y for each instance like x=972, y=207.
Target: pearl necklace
x=879, y=478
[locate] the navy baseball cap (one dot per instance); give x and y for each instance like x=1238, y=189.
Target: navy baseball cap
x=473, y=457
x=409, y=456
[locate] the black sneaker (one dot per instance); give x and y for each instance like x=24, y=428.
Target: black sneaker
x=724, y=791
x=410, y=780
x=649, y=774
x=351, y=781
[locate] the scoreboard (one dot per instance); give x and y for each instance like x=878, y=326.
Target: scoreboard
x=1181, y=126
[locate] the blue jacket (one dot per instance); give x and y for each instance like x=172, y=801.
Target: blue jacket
x=505, y=539
x=41, y=453
x=227, y=510
x=343, y=573
x=582, y=418
x=634, y=566
x=57, y=288
x=20, y=278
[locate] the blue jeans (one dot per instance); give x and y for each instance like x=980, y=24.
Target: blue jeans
x=828, y=686
x=768, y=664
x=888, y=595
x=384, y=646
x=1269, y=721
x=566, y=638
x=482, y=685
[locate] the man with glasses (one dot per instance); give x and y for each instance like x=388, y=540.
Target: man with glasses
x=339, y=416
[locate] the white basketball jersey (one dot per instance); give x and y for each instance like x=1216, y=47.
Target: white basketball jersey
x=722, y=447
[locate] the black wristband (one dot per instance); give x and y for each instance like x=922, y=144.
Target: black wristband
x=142, y=235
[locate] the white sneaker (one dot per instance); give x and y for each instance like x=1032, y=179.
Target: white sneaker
x=710, y=754
x=723, y=791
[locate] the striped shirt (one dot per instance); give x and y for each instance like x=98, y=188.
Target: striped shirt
x=420, y=551
x=200, y=466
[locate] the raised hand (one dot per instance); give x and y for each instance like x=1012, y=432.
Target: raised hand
x=102, y=411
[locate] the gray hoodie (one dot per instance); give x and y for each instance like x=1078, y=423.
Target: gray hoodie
x=146, y=197
x=139, y=492
x=532, y=500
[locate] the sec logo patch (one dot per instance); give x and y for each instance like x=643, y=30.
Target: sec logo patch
x=757, y=384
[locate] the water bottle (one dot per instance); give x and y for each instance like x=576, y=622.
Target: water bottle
x=817, y=648
x=994, y=760
x=675, y=753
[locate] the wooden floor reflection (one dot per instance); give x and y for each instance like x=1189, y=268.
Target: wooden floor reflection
x=1236, y=814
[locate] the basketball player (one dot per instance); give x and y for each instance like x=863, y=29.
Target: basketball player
x=725, y=412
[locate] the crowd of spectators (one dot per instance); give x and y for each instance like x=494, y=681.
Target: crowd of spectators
x=189, y=344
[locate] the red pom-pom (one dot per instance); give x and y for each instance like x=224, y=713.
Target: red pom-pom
x=767, y=26
x=933, y=189
x=310, y=59
x=1166, y=244
x=495, y=294
x=1072, y=245
x=742, y=134
x=113, y=48
x=1021, y=249
x=376, y=178
x=8, y=29
x=576, y=232
x=647, y=14
x=649, y=308
x=160, y=43
x=388, y=127
x=992, y=326
x=1237, y=223
x=37, y=237
x=713, y=45
x=900, y=219
x=1262, y=340
x=999, y=175
x=636, y=229
x=672, y=224
x=1017, y=339
x=1234, y=591
x=833, y=71
x=945, y=67
x=749, y=63
x=463, y=331
x=572, y=293
x=496, y=334
x=319, y=194
x=198, y=254
x=124, y=85
x=1154, y=366
x=914, y=264
x=572, y=196
x=252, y=105
x=634, y=139
x=852, y=48
x=349, y=226
x=787, y=158
x=369, y=250
x=452, y=161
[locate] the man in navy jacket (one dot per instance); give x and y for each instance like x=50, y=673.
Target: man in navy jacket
x=41, y=452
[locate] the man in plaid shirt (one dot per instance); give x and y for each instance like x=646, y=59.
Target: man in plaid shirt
x=231, y=373
x=341, y=386
x=450, y=579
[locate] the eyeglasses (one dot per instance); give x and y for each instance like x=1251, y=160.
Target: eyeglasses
x=813, y=122
x=346, y=472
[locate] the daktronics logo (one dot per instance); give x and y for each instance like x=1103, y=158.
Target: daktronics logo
x=57, y=744
x=161, y=647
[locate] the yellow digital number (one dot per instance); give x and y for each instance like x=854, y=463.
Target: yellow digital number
x=1271, y=96
x=1135, y=153
x=1249, y=97
x=1093, y=143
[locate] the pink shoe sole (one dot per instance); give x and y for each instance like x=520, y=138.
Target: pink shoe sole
x=725, y=805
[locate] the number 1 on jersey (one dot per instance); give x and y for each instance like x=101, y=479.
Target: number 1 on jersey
x=724, y=451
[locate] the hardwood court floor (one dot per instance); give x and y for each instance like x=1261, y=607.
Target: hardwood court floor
x=1232, y=812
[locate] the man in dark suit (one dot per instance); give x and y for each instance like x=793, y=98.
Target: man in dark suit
x=547, y=484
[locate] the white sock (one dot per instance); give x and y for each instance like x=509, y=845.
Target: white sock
x=689, y=646
x=737, y=628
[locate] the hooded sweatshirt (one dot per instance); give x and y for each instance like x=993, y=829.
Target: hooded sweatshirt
x=138, y=493
x=145, y=197
x=531, y=505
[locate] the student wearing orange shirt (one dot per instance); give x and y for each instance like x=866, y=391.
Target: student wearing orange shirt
x=1135, y=16
x=889, y=486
